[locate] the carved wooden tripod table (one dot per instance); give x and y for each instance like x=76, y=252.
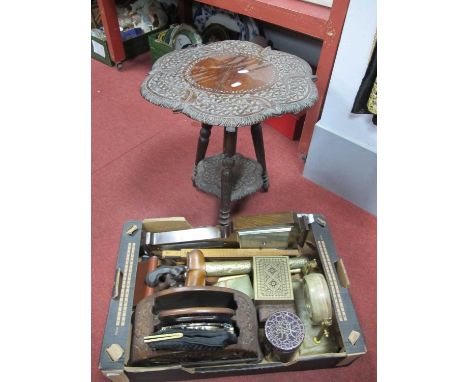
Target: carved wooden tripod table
x=230, y=84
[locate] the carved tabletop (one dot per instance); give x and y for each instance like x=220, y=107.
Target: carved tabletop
x=230, y=83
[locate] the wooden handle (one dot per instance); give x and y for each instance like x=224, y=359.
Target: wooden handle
x=196, y=274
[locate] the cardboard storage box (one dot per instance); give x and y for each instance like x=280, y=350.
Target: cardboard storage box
x=133, y=47
x=311, y=229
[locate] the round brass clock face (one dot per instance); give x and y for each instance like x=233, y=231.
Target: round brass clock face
x=317, y=298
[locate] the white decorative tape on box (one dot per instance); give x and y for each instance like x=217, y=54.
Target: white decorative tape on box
x=333, y=283
x=122, y=310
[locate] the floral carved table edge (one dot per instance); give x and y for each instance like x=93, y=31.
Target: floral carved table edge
x=169, y=85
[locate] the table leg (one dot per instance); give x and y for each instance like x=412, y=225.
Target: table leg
x=230, y=140
x=203, y=141
x=257, y=138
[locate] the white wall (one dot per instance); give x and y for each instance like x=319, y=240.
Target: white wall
x=343, y=151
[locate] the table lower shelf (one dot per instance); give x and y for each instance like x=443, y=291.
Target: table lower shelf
x=246, y=176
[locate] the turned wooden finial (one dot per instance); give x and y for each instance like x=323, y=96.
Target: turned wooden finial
x=196, y=274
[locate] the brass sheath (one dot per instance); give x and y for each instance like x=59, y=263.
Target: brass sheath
x=241, y=267
x=228, y=268
x=298, y=262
